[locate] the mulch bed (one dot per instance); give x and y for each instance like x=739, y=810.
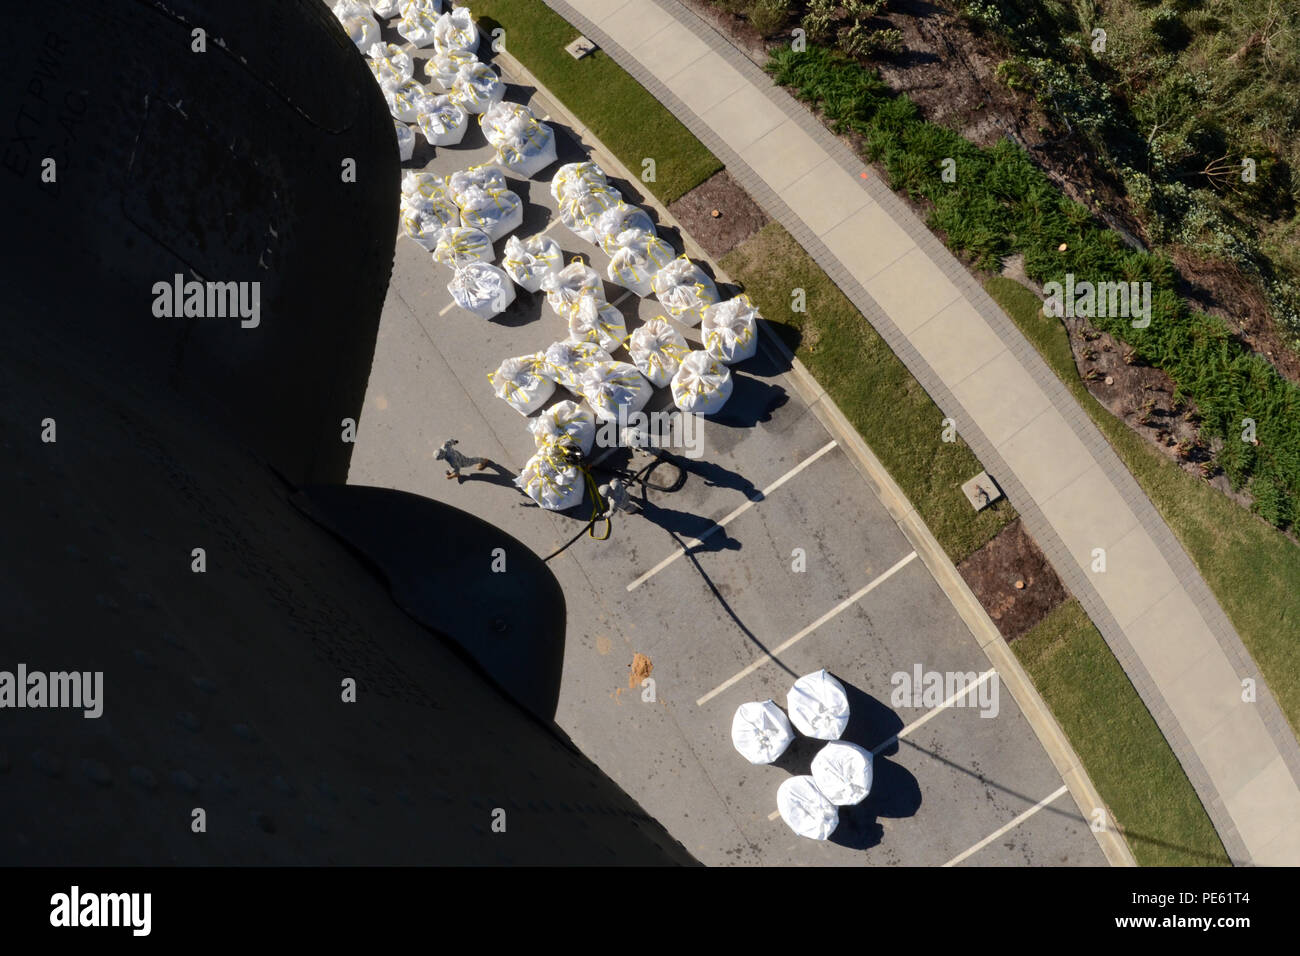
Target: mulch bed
x=739, y=217
x=993, y=571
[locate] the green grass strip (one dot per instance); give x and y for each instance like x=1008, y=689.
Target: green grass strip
x=1120, y=745
x=871, y=386
x=1001, y=203
x=1251, y=568
x=618, y=110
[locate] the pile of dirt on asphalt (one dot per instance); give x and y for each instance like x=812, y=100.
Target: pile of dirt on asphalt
x=994, y=571
x=738, y=217
x=641, y=668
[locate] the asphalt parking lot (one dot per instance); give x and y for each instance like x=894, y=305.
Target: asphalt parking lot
x=730, y=619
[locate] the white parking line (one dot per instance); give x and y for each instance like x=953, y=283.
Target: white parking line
x=762, y=495
x=968, y=689
x=771, y=655
x=1010, y=826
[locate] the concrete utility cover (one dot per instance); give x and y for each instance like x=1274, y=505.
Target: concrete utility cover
x=580, y=48
x=981, y=491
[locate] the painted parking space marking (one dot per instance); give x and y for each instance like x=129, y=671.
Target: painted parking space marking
x=762, y=496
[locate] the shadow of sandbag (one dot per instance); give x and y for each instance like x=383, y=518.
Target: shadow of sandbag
x=870, y=721
x=798, y=757
x=752, y=401
x=858, y=829
x=894, y=791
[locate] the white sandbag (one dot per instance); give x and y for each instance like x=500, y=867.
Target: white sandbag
x=701, y=385
x=519, y=381
x=551, y=481
x=614, y=389
x=842, y=772
x=805, y=809
x=657, y=350
x=389, y=63
x=418, y=25
x=565, y=422
x=529, y=261
x=729, y=330
x=635, y=257
x=427, y=185
x=684, y=289
x=386, y=8
x=760, y=732
x=346, y=9
x=458, y=245
x=481, y=288
x=571, y=173
x=567, y=362
x=363, y=31
x=405, y=141
x=620, y=218
x=818, y=706
x=523, y=143
x=594, y=320
x=455, y=30
x=484, y=176
x=564, y=288
x=582, y=205
x=442, y=122
x=423, y=220
x=442, y=67
x=496, y=213
x=477, y=87
x=406, y=99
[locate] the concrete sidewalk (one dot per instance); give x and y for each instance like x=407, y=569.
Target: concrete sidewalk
x=1073, y=493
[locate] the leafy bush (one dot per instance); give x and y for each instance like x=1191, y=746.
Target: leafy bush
x=768, y=16
x=1001, y=203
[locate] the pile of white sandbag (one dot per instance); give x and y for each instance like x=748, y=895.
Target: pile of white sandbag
x=841, y=771
x=567, y=362
x=614, y=390
x=595, y=320
x=564, y=288
x=529, y=261
x=484, y=201
x=685, y=290
x=523, y=143
x=551, y=479
x=358, y=20
x=521, y=382
x=457, y=245
x=657, y=350
x=701, y=385
x=426, y=208
x=442, y=121
x=635, y=255
x=730, y=330
x=565, y=423
x=481, y=288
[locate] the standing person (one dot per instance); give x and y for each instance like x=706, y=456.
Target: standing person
x=456, y=460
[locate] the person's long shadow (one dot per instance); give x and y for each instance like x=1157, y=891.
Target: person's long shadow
x=504, y=476
x=714, y=475
x=895, y=793
x=722, y=601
